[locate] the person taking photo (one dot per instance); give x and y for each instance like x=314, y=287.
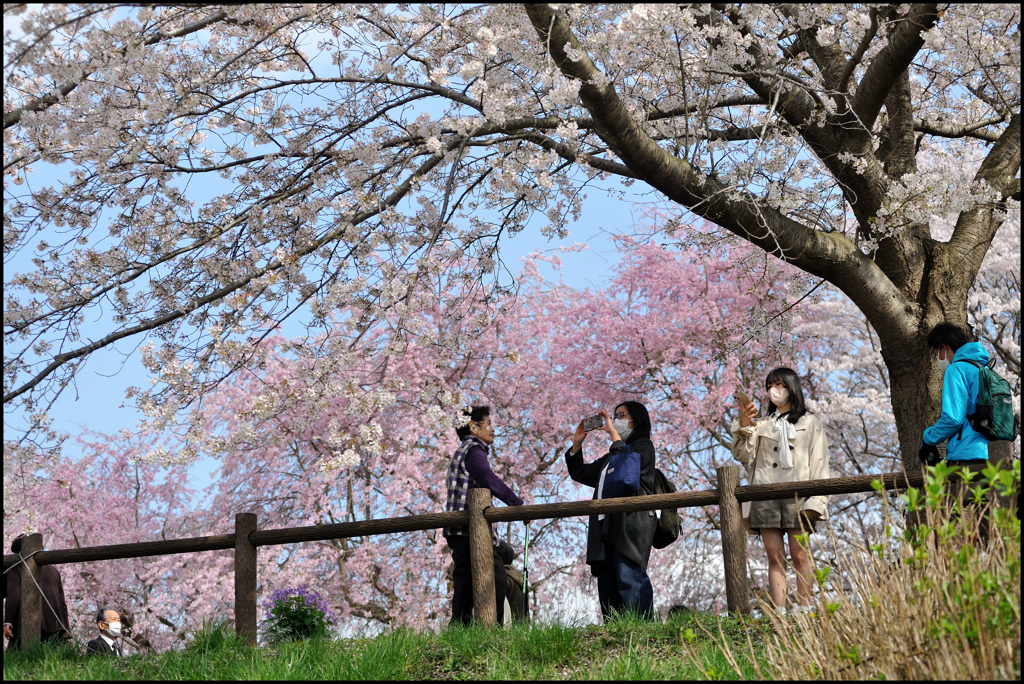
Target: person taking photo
x=787, y=445
x=619, y=544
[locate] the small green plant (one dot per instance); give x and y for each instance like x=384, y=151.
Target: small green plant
x=939, y=599
x=295, y=615
x=213, y=636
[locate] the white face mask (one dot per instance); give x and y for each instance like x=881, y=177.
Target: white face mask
x=621, y=426
x=113, y=628
x=779, y=396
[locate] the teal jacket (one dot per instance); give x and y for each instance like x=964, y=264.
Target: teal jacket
x=959, y=395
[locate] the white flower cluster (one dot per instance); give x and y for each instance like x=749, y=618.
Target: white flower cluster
x=928, y=196
x=338, y=460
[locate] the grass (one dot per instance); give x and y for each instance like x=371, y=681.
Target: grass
x=942, y=603
x=625, y=648
x=937, y=602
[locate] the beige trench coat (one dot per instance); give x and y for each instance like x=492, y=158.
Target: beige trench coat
x=809, y=451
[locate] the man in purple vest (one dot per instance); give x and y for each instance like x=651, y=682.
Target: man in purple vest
x=468, y=469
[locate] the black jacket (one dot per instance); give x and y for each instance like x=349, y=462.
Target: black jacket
x=53, y=590
x=99, y=646
x=630, y=533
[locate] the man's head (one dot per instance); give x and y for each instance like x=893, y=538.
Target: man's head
x=108, y=621
x=945, y=339
x=479, y=424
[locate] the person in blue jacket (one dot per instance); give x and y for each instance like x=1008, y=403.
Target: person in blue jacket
x=950, y=344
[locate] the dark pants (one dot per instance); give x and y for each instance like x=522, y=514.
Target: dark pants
x=462, y=576
x=623, y=585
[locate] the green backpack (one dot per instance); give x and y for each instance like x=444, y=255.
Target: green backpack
x=993, y=412
x=667, y=530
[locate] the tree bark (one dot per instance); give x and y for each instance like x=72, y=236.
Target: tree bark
x=910, y=283
x=30, y=623
x=481, y=556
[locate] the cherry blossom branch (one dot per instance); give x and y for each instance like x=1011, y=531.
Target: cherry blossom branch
x=218, y=294
x=42, y=103
x=828, y=255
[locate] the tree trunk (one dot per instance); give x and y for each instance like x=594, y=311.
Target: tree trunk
x=916, y=390
x=910, y=282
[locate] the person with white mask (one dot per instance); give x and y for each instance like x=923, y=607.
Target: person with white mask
x=619, y=545
x=788, y=445
x=109, y=623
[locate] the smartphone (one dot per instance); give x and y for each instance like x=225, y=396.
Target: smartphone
x=742, y=397
x=593, y=422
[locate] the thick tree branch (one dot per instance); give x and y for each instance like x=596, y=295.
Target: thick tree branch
x=901, y=158
x=972, y=235
x=798, y=105
x=828, y=255
x=1002, y=164
x=905, y=40
x=960, y=130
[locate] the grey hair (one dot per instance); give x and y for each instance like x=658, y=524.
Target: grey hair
x=101, y=614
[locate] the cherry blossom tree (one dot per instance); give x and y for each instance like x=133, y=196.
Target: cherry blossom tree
x=109, y=496
x=296, y=454
x=221, y=168
x=672, y=329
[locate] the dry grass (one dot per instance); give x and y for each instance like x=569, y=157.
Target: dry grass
x=935, y=603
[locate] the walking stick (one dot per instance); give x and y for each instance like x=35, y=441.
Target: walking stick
x=526, y=574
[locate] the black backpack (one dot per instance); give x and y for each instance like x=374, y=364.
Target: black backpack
x=993, y=415
x=667, y=530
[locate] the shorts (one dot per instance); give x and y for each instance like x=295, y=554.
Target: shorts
x=781, y=514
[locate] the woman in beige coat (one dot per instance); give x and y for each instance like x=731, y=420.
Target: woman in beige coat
x=786, y=446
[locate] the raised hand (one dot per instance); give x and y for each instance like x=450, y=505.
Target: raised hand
x=578, y=437
x=608, y=426
x=747, y=412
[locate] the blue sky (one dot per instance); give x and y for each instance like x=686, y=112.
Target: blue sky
x=96, y=400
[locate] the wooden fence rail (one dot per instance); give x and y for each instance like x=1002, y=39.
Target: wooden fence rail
x=430, y=521
x=247, y=538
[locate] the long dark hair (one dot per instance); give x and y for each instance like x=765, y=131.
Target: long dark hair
x=791, y=381
x=641, y=420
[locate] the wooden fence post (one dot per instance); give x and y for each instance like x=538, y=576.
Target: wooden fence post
x=30, y=624
x=245, y=578
x=481, y=558
x=734, y=541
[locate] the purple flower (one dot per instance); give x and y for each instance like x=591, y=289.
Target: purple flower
x=309, y=598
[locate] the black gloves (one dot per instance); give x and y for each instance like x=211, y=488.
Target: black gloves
x=928, y=454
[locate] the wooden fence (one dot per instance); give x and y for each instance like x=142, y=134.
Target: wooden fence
x=247, y=537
